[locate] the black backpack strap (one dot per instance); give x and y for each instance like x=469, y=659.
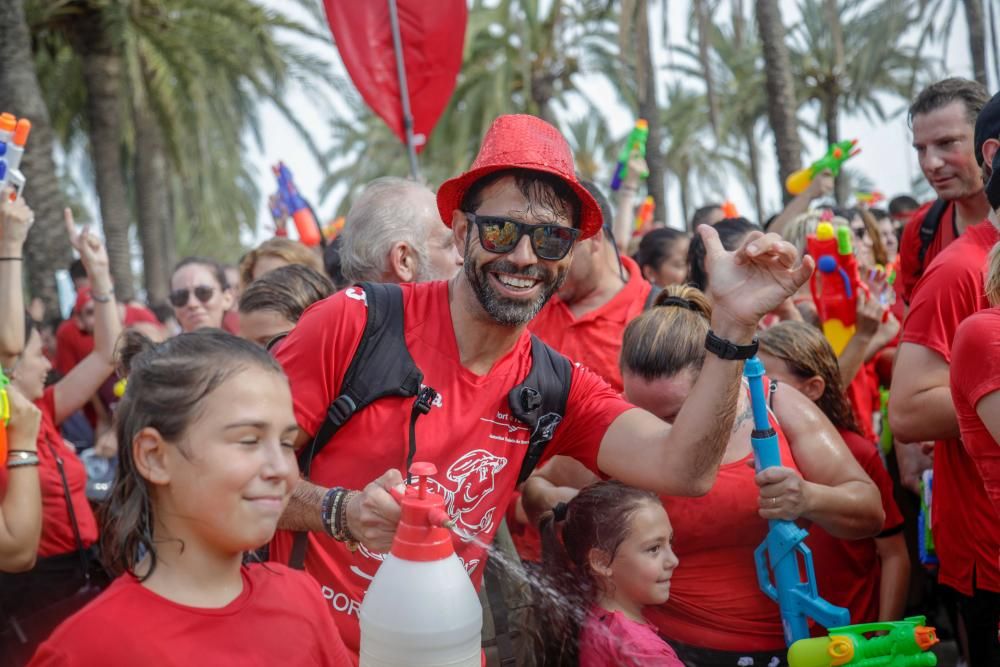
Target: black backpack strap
x=381, y=367
x=540, y=401
x=651, y=299
x=928, y=230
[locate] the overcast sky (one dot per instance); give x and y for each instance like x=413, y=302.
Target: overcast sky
x=886, y=155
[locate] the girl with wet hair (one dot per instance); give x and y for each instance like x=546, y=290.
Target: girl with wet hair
x=206, y=468
x=871, y=576
x=717, y=614
x=273, y=303
x=606, y=555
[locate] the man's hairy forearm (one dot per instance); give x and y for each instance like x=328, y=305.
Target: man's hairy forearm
x=304, y=511
x=713, y=447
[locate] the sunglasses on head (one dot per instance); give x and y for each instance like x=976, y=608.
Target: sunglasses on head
x=501, y=235
x=179, y=297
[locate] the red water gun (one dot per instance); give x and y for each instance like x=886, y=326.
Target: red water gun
x=644, y=219
x=835, y=283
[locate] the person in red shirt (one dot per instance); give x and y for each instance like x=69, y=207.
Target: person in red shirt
x=921, y=407
x=717, y=614
x=515, y=216
x=943, y=118
x=33, y=602
x=975, y=361
x=869, y=577
x=206, y=469
x=602, y=292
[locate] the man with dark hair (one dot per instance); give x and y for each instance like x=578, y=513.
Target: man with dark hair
x=603, y=292
x=515, y=216
x=707, y=215
x=943, y=118
x=901, y=208
x=921, y=408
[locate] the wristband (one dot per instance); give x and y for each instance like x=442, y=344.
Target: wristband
x=101, y=298
x=728, y=350
x=17, y=458
x=11, y=259
x=341, y=532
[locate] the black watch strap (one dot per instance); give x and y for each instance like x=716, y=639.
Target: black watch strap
x=725, y=349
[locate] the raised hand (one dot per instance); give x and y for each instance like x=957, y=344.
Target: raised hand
x=16, y=219
x=753, y=280
x=92, y=251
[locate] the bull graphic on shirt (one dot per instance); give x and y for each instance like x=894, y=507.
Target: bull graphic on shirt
x=466, y=485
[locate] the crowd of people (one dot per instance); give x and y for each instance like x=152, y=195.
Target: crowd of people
x=577, y=386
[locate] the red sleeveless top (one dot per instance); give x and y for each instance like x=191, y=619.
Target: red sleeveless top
x=715, y=601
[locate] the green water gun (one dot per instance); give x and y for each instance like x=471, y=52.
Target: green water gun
x=904, y=644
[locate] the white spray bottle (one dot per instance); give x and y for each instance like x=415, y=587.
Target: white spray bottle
x=421, y=609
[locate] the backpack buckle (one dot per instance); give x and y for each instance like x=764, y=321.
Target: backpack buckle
x=341, y=410
x=425, y=398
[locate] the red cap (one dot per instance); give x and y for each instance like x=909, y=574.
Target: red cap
x=421, y=534
x=519, y=141
x=83, y=297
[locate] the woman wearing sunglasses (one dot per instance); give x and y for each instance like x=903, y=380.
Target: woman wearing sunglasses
x=199, y=293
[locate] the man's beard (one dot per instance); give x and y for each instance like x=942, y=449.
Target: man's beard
x=507, y=311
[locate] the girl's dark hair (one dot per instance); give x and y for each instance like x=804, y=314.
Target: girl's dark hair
x=668, y=337
x=655, y=247
x=29, y=325
x=288, y=290
x=598, y=517
x=731, y=231
x=215, y=267
x=166, y=388
x=807, y=352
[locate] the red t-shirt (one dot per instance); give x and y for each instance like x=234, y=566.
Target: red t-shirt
x=468, y=434
x=715, y=600
x=73, y=344
x=975, y=374
x=595, y=338
x=909, y=248
x=612, y=638
x=863, y=396
x=57, y=528
x=966, y=532
x=848, y=572
x=278, y=619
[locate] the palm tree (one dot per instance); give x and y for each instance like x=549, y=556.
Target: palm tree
x=781, y=100
x=734, y=63
x=592, y=146
x=47, y=248
x=193, y=73
x=849, y=56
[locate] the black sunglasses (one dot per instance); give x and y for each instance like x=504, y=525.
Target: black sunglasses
x=501, y=235
x=179, y=297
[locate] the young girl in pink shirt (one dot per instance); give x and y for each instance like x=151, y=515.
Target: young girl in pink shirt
x=606, y=554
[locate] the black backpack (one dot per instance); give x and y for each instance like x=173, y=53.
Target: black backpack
x=928, y=230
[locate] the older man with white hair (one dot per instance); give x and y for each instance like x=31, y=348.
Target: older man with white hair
x=394, y=234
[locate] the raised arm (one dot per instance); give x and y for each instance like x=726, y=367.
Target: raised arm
x=820, y=186
x=15, y=221
x=21, y=510
x=833, y=491
x=74, y=390
x=745, y=285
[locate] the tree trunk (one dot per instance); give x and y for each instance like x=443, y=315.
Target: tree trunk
x=650, y=110
x=705, y=61
x=977, y=39
x=152, y=202
x=684, y=187
x=831, y=117
x=102, y=74
x=47, y=249
x=754, y=158
x=781, y=103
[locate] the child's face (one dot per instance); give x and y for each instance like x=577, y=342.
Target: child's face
x=231, y=477
x=645, y=561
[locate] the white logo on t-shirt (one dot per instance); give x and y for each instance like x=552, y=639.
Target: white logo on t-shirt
x=357, y=294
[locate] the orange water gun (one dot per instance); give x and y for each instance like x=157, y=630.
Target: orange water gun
x=292, y=204
x=644, y=219
x=334, y=228
x=729, y=209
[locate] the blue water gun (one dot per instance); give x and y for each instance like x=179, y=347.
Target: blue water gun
x=292, y=204
x=925, y=536
x=798, y=600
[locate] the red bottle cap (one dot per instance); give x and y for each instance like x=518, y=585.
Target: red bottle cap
x=422, y=534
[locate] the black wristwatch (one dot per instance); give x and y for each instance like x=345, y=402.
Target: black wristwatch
x=726, y=349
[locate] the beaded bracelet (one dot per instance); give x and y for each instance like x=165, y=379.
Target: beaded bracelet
x=17, y=458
